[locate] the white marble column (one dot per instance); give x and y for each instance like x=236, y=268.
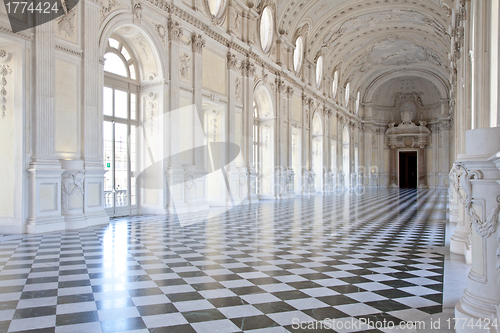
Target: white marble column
x=460, y=242
x=444, y=154
x=481, y=48
x=328, y=181
x=481, y=166
x=248, y=71
x=200, y=203
x=305, y=131
x=93, y=73
x=287, y=147
x=174, y=180
x=368, y=163
x=340, y=151
x=281, y=93
x=236, y=173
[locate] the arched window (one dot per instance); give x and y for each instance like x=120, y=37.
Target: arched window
x=216, y=7
x=119, y=61
x=347, y=93
x=358, y=96
x=255, y=136
x=298, y=54
x=319, y=71
x=120, y=120
x=263, y=142
x=335, y=84
x=345, y=156
x=266, y=29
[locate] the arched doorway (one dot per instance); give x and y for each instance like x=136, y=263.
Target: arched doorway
x=317, y=152
x=130, y=60
x=263, y=138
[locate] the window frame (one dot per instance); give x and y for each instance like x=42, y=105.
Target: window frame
x=298, y=66
x=267, y=48
x=319, y=78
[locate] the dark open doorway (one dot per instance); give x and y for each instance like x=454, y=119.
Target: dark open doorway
x=408, y=169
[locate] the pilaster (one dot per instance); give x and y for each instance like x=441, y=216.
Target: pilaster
x=248, y=71
x=44, y=172
x=174, y=171
x=236, y=171
x=93, y=167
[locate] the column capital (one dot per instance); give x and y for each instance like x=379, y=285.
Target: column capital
x=174, y=31
x=250, y=68
x=198, y=43
x=280, y=85
x=232, y=61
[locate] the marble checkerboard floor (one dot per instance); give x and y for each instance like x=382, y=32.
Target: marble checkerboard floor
x=252, y=269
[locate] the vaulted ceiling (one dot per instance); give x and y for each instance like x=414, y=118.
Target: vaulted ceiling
x=367, y=40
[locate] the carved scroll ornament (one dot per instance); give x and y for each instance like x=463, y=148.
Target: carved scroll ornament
x=484, y=228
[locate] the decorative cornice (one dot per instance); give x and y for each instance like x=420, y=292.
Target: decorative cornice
x=152, y=85
x=78, y=53
x=8, y=30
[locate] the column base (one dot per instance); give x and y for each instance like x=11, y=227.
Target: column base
x=97, y=219
x=476, y=311
x=75, y=222
x=460, y=244
x=42, y=225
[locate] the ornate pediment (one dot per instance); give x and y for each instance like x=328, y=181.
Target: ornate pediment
x=408, y=134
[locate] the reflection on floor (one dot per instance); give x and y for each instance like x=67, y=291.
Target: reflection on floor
x=340, y=260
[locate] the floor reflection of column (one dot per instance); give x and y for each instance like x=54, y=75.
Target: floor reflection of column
x=392, y=167
x=422, y=183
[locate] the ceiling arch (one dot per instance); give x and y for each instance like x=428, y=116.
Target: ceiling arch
x=441, y=85
x=366, y=39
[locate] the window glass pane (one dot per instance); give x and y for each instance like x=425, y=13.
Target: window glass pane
x=114, y=43
x=121, y=104
x=125, y=54
x=115, y=65
x=132, y=165
x=108, y=163
x=132, y=106
x=347, y=92
x=298, y=54
x=357, y=101
x=319, y=71
x=335, y=83
x=107, y=101
x=266, y=29
x=216, y=7
x=132, y=72
x=121, y=165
